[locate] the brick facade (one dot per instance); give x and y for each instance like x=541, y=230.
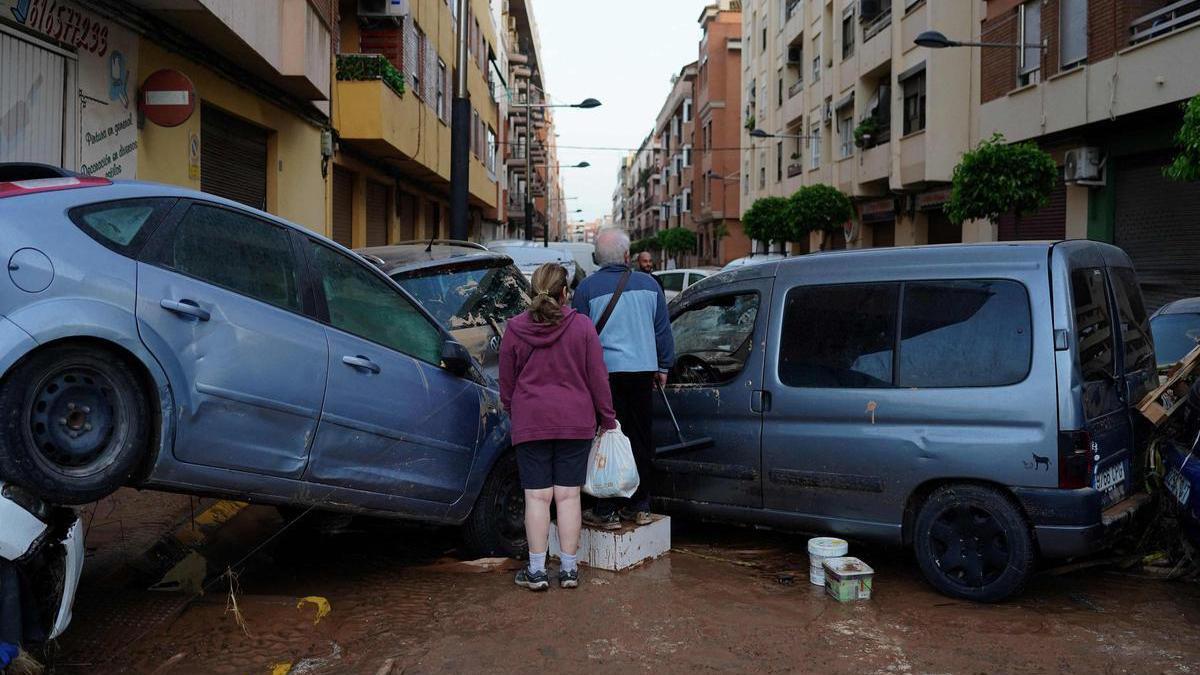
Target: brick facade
x=998, y=67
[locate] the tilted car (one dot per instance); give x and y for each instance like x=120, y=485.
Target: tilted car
x=976, y=402
x=1176, y=329
x=166, y=338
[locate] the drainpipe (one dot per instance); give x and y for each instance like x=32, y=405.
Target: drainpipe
x=460, y=137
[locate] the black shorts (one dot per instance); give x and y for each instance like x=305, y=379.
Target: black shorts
x=544, y=464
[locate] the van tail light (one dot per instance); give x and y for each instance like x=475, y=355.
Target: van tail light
x=1074, y=459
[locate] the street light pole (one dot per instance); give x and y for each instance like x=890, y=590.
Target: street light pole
x=528, y=163
x=460, y=137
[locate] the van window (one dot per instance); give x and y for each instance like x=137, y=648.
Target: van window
x=1135, y=325
x=713, y=339
x=964, y=334
x=839, y=336
x=1093, y=324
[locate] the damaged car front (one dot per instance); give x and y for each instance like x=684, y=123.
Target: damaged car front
x=41, y=557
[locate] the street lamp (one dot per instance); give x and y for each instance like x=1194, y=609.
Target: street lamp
x=934, y=39
x=759, y=133
x=585, y=104
x=581, y=165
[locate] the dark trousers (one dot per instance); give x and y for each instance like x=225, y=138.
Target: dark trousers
x=633, y=401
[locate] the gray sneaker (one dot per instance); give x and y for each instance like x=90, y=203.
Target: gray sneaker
x=610, y=522
x=534, y=581
x=568, y=579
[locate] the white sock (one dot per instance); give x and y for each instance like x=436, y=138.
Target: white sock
x=537, y=561
x=569, y=562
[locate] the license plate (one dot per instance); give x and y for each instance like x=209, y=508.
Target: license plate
x=1178, y=486
x=1111, y=483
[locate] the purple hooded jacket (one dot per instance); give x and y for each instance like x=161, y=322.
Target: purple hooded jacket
x=553, y=381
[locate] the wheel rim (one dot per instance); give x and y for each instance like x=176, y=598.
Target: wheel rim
x=509, y=513
x=969, y=546
x=74, y=416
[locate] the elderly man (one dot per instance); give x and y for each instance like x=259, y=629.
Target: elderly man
x=630, y=313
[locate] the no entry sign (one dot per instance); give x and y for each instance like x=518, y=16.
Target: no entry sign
x=168, y=98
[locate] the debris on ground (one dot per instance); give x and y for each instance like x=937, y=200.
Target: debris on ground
x=320, y=603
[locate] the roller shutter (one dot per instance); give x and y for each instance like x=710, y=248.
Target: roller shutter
x=377, y=212
x=343, y=207
x=1158, y=224
x=233, y=158
x=33, y=82
x=1049, y=223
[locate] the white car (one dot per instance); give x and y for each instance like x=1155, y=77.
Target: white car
x=529, y=257
x=674, y=281
x=46, y=544
x=583, y=253
x=756, y=259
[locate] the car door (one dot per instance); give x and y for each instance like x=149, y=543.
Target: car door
x=715, y=393
x=394, y=422
x=220, y=305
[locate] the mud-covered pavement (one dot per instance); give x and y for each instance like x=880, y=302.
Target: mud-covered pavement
x=724, y=600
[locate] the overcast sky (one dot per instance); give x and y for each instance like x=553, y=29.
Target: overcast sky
x=622, y=52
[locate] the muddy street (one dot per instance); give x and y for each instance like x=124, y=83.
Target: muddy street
x=725, y=599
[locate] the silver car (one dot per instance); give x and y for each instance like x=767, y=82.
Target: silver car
x=167, y=338
x=975, y=402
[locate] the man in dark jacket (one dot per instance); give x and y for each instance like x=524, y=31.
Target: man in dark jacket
x=639, y=350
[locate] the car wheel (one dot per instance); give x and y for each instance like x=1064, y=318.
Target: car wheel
x=496, y=526
x=74, y=424
x=973, y=542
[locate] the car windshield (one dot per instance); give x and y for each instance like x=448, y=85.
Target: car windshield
x=1174, y=336
x=469, y=297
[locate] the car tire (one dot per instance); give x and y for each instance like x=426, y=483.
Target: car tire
x=973, y=542
x=496, y=526
x=74, y=424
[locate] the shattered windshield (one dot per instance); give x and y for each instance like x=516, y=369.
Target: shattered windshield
x=461, y=298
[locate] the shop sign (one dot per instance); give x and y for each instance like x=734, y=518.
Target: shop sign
x=878, y=211
x=933, y=199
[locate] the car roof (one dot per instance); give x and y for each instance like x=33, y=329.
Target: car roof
x=1182, y=306
x=407, y=257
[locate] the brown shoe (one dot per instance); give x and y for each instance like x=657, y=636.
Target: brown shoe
x=609, y=522
x=638, y=517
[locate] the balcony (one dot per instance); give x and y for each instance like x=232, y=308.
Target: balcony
x=793, y=110
x=876, y=163
x=793, y=26
x=796, y=88
x=1173, y=17
x=795, y=169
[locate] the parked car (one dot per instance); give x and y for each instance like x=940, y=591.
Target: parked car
x=1176, y=329
x=530, y=255
x=41, y=558
x=674, y=281
x=170, y=339
x=583, y=253
x=974, y=402
x=755, y=259
x=472, y=292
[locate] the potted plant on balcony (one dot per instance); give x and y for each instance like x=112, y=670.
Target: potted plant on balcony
x=996, y=179
x=866, y=133
x=751, y=123
x=819, y=208
x=1186, y=166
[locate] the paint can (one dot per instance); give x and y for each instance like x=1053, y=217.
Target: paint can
x=821, y=549
x=848, y=579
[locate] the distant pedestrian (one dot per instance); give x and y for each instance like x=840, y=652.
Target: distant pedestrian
x=645, y=262
x=555, y=387
x=630, y=312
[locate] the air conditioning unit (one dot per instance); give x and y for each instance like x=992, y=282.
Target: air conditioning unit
x=794, y=55
x=383, y=9
x=827, y=113
x=1083, y=166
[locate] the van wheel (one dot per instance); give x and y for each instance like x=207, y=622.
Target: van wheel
x=496, y=526
x=74, y=424
x=972, y=542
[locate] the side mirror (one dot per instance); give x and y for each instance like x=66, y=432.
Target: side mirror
x=455, y=358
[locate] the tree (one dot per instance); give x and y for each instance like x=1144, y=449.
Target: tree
x=768, y=220
x=677, y=240
x=818, y=208
x=997, y=179
x=1186, y=166
x=648, y=244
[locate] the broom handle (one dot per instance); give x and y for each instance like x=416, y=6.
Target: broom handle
x=678, y=431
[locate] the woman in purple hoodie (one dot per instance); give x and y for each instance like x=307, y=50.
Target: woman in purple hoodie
x=554, y=385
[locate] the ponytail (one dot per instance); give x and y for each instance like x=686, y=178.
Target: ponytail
x=549, y=280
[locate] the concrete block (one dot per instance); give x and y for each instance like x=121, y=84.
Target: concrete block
x=617, y=550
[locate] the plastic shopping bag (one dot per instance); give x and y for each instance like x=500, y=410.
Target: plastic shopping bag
x=612, y=471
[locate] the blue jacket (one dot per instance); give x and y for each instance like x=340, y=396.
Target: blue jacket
x=638, y=336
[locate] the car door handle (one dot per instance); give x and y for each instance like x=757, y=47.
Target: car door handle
x=760, y=401
x=361, y=363
x=186, y=308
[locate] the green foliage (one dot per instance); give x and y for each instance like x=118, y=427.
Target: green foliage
x=647, y=244
x=997, y=179
x=677, y=240
x=751, y=123
x=818, y=208
x=644, y=177
x=1186, y=166
x=720, y=231
x=769, y=220
x=356, y=67
x=866, y=134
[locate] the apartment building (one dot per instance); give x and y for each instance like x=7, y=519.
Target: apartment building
x=675, y=129
x=529, y=130
x=257, y=73
x=1103, y=97
x=817, y=71
x=718, y=128
x=644, y=207
x=621, y=193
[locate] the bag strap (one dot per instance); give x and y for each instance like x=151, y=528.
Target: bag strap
x=612, y=302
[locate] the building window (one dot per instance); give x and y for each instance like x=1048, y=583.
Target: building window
x=1072, y=26
x=475, y=132
x=816, y=68
x=764, y=39
x=687, y=155
x=779, y=163
x=846, y=131
x=780, y=104
x=746, y=178
x=1029, y=64
x=687, y=111
x=441, y=91
x=418, y=74
x=491, y=150
x=848, y=33
x=814, y=147
x=914, y=103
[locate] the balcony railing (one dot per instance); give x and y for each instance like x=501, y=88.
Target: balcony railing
x=359, y=67
x=875, y=26
x=792, y=6
x=1169, y=19
x=794, y=170
x=796, y=88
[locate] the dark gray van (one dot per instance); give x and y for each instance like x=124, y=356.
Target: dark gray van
x=975, y=402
